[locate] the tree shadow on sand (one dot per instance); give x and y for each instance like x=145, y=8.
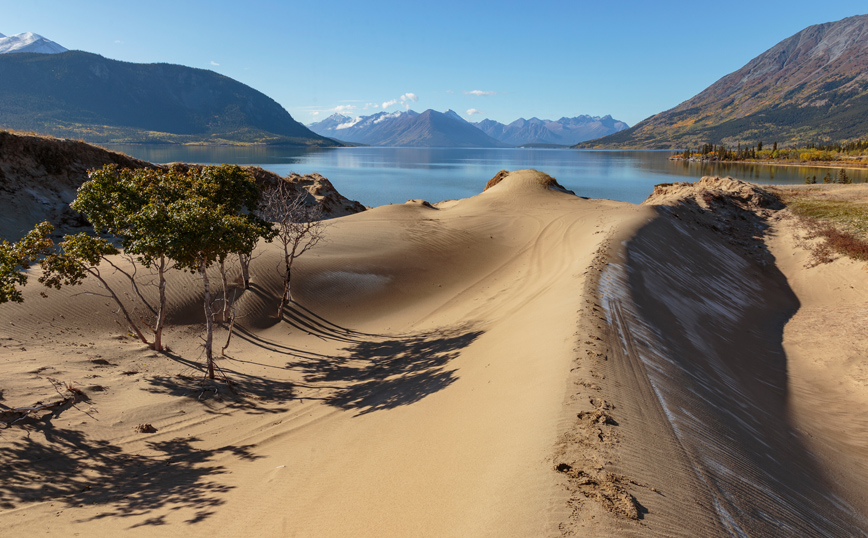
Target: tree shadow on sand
x=232, y=390
x=58, y=465
x=378, y=374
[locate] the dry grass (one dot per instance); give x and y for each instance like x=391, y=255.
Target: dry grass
x=836, y=217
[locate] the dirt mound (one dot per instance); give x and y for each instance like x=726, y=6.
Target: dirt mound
x=733, y=208
x=543, y=179
x=710, y=191
x=39, y=177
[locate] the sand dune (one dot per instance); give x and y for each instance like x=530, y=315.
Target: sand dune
x=521, y=363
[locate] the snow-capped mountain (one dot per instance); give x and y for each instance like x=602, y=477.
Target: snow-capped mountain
x=565, y=131
x=29, y=42
x=405, y=128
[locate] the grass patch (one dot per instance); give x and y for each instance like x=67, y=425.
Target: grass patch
x=849, y=216
x=840, y=225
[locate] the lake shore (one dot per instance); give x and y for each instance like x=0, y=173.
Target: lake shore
x=801, y=164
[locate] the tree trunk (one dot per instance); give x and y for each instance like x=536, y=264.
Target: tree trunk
x=225, y=314
x=284, y=297
x=95, y=273
x=244, y=260
x=209, y=322
x=161, y=310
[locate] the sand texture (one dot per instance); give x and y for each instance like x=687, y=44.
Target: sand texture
x=521, y=363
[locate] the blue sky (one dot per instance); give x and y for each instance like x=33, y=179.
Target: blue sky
x=484, y=59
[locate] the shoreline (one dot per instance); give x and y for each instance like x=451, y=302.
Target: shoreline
x=802, y=164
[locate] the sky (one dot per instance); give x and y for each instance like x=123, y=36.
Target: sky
x=500, y=60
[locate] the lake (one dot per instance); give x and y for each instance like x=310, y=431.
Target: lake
x=378, y=176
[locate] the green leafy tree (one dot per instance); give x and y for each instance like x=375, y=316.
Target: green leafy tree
x=79, y=256
x=135, y=206
x=15, y=258
x=215, y=218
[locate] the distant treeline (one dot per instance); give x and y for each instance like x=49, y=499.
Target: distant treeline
x=853, y=152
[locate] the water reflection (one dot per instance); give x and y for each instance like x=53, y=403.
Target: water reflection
x=378, y=176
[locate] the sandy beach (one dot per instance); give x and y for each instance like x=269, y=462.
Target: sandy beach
x=524, y=362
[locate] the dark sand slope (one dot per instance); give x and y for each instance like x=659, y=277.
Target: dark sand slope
x=697, y=314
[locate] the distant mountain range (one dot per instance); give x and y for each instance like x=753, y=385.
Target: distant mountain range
x=810, y=87
x=81, y=95
x=448, y=129
x=565, y=131
x=406, y=128
x=29, y=42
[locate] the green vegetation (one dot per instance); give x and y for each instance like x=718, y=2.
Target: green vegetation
x=853, y=153
x=850, y=217
x=840, y=224
x=16, y=258
x=186, y=218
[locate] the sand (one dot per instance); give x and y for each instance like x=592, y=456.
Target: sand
x=524, y=362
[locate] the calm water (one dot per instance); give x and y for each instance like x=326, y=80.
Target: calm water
x=378, y=176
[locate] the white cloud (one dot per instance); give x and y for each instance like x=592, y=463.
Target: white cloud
x=315, y=113
x=449, y=91
x=479, y=93
x=391, y=102
x=214, y=63
x=409, y=97
x=472, y=111
x=343, y=108
x=371, y=105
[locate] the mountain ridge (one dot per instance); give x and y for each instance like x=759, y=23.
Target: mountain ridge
x=565, y=131
x=29, y=42
x=406, y=128
x=78, y=94
x=810, y=87
x=395, y=128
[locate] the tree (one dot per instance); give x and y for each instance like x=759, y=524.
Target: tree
x=136, y=207
x=215, y=218
x=79, y=256
x=15, y=258
x=298, y=226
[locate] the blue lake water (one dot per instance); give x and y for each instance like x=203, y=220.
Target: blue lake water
x=378, y=176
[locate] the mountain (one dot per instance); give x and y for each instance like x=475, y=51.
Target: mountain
x=565, y=131
x=82, y=95
x=810, y=87
x=29, y=42
x=409, y=128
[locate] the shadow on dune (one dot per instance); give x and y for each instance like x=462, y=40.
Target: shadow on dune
x=379, y=374
x=70, y=468
x=232, y=388
x=703, y=323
